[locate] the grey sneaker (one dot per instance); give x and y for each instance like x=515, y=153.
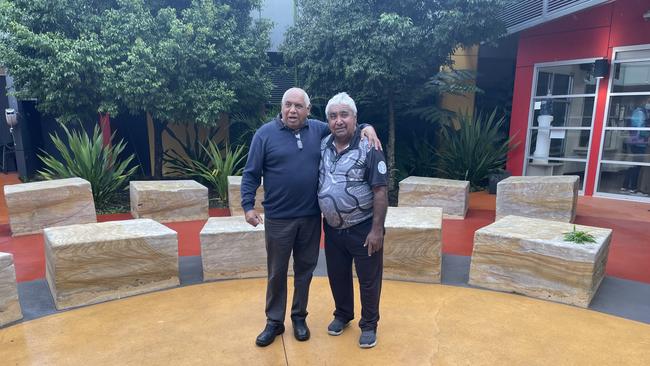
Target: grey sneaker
x=336, y=327
x=368, y=339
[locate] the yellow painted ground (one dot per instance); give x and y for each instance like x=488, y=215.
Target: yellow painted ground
x=216, y=324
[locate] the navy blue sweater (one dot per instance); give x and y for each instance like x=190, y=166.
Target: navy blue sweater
x=290, y=173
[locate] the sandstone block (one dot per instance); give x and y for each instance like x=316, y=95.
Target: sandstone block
x=450, y=195
x=543, y=197
x=234, y=197
x=412, y=245
x=91, y=263
x=231, y=248
x=169, y=200
x=9, y=305
x=530, y=257
x=37, y=205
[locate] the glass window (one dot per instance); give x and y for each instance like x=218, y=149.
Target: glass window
x=562, y=120
x=631, y=77
x=628, y=111
x=563, y=143
x=627, y=145
x=632, y=55
x=623, y=179
x=569, y=112
x=566, y=80
x=625, y=156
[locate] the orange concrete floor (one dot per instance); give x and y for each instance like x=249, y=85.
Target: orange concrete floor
x=421, y=324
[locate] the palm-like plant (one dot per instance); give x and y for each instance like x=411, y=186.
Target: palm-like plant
x=87, y=157
x=474, y=150
x=218, y=167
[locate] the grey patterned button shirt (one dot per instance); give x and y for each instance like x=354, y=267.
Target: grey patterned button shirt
x=346, y=180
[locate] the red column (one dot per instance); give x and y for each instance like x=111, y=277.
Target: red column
x=105, y=126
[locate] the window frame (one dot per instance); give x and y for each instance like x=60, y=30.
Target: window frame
x=605, y=128
x=531, y=114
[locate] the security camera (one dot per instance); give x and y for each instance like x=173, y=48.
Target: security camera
x=646, y=16
x=11, y=117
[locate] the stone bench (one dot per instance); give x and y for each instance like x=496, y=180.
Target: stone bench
x=544, y=197
x=231, y=249
x=412, y=245
x=234, y=197
x=530, y=257
x=9, y=305
x=169, y=200
x=450, y=195
x=37, y=205
x=91, y=263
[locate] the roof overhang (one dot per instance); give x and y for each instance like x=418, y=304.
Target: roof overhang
x=520, y=15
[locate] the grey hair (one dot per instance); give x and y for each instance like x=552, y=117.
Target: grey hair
x=341, y=98
x=304, y=94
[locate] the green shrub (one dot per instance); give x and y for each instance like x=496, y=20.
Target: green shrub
x=579, y=237
x=474, y=150
x=218, y=167
x=181, y=163
x=87, y=157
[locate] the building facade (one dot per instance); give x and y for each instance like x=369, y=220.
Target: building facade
x=581, y=101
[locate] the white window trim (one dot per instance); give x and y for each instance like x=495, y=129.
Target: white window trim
x=531, y=113
x=605, y=128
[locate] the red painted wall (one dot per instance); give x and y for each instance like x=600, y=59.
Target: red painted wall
x=591, y=33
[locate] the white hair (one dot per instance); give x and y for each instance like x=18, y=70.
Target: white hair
x=341, y=98
x=304, y=94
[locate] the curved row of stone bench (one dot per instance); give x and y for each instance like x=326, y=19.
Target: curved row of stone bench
x=90, y=263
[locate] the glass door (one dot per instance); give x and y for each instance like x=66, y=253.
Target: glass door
x=561, y=119
x=624, y=167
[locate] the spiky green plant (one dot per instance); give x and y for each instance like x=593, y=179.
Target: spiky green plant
x=472, y=151
x=87, y=157
x=216, y=170
x=190, y=149
x=579, y=237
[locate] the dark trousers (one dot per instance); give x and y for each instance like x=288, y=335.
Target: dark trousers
x=341, y=248
x=284, y=236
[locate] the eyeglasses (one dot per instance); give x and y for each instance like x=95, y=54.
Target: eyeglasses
x=298, y=141
x=333, y=166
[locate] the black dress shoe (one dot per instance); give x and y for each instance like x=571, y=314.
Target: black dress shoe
x=300, y=330
x=268, y=334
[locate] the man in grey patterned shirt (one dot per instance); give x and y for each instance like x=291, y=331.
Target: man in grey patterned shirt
x=352, y=197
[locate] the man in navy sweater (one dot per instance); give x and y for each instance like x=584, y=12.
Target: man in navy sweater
x=286, y=152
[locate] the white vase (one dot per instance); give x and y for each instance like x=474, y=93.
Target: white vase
x=543, y=145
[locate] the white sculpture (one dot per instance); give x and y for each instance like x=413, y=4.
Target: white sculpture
x=543, y=144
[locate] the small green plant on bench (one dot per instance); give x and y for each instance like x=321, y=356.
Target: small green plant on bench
x=579, y=237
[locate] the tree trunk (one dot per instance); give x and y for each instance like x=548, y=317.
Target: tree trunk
x=105, y=127
x=158, y=129
x=391, y=143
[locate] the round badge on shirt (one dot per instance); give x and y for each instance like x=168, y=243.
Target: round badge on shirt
x=381, y=167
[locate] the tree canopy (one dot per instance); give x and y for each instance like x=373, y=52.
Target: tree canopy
x=177, y=61
x=382, y=51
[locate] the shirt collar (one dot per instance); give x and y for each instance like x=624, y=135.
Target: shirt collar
x=354, y=143
x=282, y=126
